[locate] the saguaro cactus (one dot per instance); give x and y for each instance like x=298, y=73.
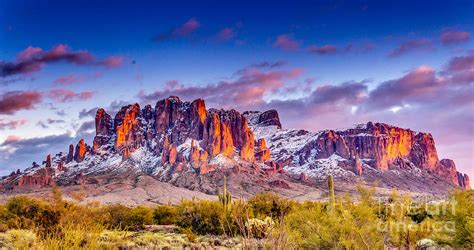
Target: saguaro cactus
x=225, y=198
x=332, y=200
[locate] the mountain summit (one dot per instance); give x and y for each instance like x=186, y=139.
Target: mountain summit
x=189, y=146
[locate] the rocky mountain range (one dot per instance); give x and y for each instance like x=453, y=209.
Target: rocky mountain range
x=189, y=146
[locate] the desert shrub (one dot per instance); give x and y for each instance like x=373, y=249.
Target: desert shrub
x=190, y=234
x=269, y=205
x=203, y=217
x=259, y=228
x=165, y=215
x=418, y=214
x=351, y=225
x=18, y=239
x=83, y=215
x=28, y=213
x=457, y=220
x=123, y=217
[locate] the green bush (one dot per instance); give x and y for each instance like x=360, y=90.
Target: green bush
x=203, y=217
x=28, y=213
x=123, y=217
x=269, y=205
x=165, y=215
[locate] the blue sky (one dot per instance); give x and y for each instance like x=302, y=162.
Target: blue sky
x=336, y=60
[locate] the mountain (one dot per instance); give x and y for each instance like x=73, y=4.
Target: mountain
x=189, y=146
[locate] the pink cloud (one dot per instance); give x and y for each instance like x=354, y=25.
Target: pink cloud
x=13, y=124
x=28, y=53
x=226, y=34
x=74, y=78
x=286, y=42
x=412, y=45
x=184, y=30
x=360, y=47
x=453, y=37
x=461, y=63
x=12, y=139
x=13, y=101
x=32, y=59
x=247, y=89
x=323, y=50
x=66, y=95
x=112, y=61
x=187, y=28
x=70, y=79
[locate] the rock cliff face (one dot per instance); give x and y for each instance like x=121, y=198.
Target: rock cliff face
x=184, y=142
x=170, y=124
x=376, y=146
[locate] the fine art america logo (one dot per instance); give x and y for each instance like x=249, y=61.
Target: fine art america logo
x=404, y=216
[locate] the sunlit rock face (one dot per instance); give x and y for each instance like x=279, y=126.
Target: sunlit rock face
x=262, y=152
x=381, y=146
x=81, y=150
x=128, y=128
x=385, y=144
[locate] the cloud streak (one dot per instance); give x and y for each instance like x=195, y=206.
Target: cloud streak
x=323, y=50
x=406, y=47
x=66, y=95
x=249, y=88
x=184, y=30
x=12, y=124
x=33, y=59
x=454, y=37
x=13, y=101
x=286, y=42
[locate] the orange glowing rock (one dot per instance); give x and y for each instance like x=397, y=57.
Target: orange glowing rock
x=227, y=145
x=127, y=123
x=247, y=150
x=262, y=153
x=81, y=150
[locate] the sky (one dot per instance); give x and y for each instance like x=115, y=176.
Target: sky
x=321, y=64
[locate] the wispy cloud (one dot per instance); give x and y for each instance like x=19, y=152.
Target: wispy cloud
x=13, y=101
x=11, y=124
x=184, y=30
x=33, y=59
x=66, y=95
x=422, y=44
x=454, y=37
x=286, y=42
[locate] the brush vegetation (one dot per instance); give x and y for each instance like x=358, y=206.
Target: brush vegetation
x=263, y=221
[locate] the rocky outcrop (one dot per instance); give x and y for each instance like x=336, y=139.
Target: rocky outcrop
x=61, y=166
x=81, y=150
x=70, y=154
x=128, y=128
x=383, y=144
x=262, y=153
x=463, y=181
x=378, y=145
x=267, y=118
x=447, y=169
x=41, y=178
x=104, y=129
x=48, y=161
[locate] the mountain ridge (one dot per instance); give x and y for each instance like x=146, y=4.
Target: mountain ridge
x=189, y=146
